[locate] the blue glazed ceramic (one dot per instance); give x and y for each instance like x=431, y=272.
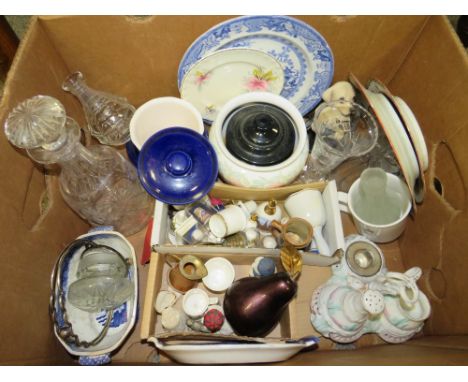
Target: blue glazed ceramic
x=304, y=54
x=177, y=166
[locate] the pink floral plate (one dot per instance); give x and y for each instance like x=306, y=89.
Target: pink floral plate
x=224, y=74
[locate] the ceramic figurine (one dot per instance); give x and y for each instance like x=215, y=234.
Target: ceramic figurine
x=363, y=297
x=340, y=91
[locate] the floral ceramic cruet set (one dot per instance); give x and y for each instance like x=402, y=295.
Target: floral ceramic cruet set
x=257, y=110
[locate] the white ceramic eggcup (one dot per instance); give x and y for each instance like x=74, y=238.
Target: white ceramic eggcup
x=161, y=113
x=378, y=233
x=196, y=302
x=229, y=221
x=308, y=205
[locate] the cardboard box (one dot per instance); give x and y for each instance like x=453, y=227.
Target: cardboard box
x=419, y=58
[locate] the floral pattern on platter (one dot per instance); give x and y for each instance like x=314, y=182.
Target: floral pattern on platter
x=200, y=78
x=259, y=81
x=225, y=74
x=305, y=55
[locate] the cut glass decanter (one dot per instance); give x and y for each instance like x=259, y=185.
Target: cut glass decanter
x=97, y=182
x=108, y=116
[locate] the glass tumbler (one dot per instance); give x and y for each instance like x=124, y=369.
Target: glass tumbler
x=343, y=129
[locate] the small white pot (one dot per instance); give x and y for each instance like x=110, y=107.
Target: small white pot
x=239, y=173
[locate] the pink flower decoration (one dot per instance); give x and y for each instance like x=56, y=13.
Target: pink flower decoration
x=201, y=77
x=257, y=84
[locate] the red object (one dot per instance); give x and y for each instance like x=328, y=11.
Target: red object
x=213, y=320
x=146, y=254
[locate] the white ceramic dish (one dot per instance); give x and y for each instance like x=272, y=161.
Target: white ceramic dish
x=224, y=74
x=305, y=55
x=220, y=275
x=239, y=173
x=88, y=325
x=160, y=113
x=233, y=353
x=395, y=132
x=415, y=131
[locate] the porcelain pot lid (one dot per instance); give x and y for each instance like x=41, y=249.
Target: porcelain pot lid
x=260, y=133
x=177, y=166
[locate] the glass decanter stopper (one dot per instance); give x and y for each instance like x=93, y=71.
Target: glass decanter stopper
x=97, y=182
x=108, y=115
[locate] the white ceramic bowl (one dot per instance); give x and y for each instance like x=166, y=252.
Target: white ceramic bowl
x=220, y=275
x=239, y=173
x=161, y=113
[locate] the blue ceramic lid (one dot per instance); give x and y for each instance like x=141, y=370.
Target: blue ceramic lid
x=177, y=166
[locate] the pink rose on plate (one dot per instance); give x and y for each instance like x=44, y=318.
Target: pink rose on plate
x=260, y=80
x=255, y=84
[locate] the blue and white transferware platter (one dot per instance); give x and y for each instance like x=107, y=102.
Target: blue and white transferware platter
x=305, y=55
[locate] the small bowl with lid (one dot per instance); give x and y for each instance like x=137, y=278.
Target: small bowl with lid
x=260, y=141
x=177, y=166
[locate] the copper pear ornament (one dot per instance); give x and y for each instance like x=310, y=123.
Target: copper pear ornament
x=253, y=306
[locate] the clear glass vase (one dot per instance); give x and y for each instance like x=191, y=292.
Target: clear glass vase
x=108, y=115
x=97, y=181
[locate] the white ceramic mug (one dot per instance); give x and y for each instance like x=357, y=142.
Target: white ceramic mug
x=378, y=233
x=161, y=113
x=196, y=302
x=229, y=221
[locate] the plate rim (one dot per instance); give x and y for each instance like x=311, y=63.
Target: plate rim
x=408, y=116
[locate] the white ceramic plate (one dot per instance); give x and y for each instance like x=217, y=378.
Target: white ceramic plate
x=415, y=131
x=305, y=55
x=224, y=74
x=396, y=134
x=377, y=86
x=233, y=353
